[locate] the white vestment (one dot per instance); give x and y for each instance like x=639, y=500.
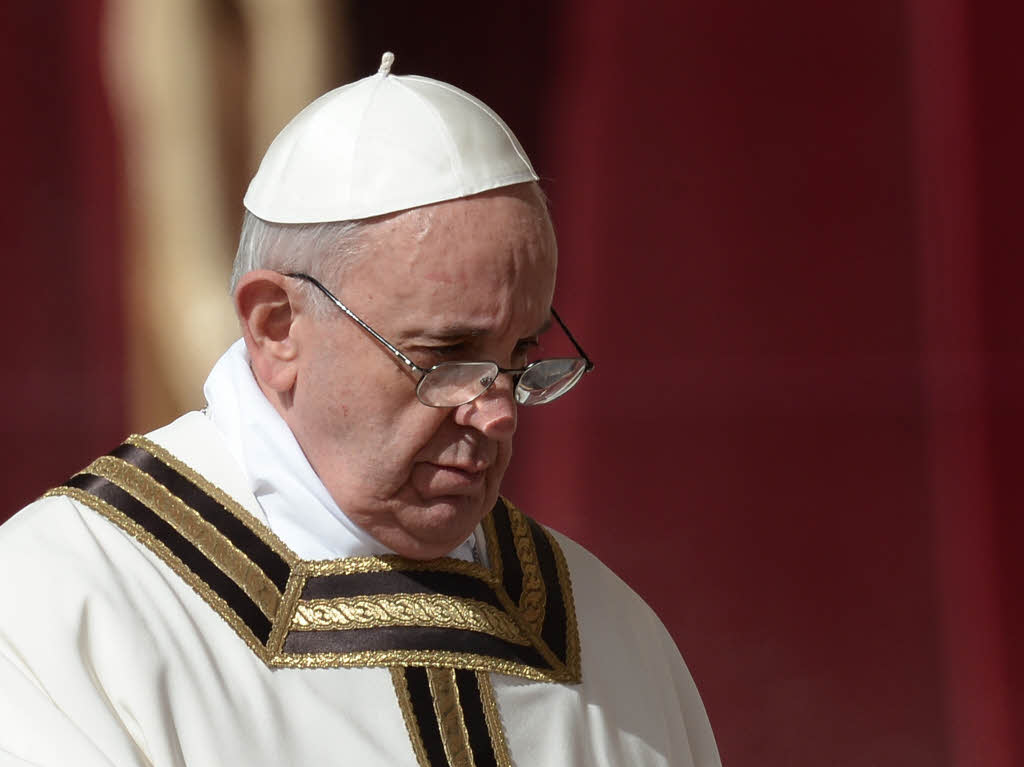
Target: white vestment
x=114, y=652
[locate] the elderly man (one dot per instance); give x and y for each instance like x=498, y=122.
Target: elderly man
x=318, y=568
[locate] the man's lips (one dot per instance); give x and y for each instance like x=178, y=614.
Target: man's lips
x=471, y=473
x=443, y=479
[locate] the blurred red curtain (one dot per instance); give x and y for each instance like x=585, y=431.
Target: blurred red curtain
x=63, y=384
x=789, y=242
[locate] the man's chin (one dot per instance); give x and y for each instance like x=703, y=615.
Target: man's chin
x=439, y=526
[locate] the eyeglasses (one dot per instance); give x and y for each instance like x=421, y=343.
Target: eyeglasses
x=451, y=384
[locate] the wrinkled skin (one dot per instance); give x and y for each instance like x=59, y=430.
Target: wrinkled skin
x=469, y=279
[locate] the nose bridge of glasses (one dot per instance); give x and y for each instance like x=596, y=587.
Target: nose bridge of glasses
x=511, y=374
x=490, y=381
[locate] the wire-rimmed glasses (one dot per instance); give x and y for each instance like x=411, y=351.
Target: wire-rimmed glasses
x=451, y=384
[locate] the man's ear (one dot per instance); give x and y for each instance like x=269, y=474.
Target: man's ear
x=268, y=306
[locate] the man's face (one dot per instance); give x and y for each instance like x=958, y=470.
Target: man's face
x=469, y=279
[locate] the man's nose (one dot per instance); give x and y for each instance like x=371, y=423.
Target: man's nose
x=493, y=413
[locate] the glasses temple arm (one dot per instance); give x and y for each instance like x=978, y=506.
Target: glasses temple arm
x=583, y=354
x=352, y=316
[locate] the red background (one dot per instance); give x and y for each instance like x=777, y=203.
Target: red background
x=789, y=238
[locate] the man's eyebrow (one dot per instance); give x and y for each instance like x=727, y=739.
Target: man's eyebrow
x=460, y=332
x=449, y=333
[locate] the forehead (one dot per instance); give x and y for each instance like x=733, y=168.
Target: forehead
x=486, y=261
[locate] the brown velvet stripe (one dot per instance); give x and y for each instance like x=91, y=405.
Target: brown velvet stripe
x=554, y=630
x=230, y=526
x=476, y=721
x=399, y=582
x=423, y=708
x=414, y=638
x=222, y=585
x=512, y=569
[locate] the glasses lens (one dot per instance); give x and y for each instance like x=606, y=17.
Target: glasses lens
x=451, y=384
x=548, y=380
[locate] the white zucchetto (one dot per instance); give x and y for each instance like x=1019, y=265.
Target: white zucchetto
x=383, y=144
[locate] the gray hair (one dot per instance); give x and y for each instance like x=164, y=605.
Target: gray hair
x=321, y=249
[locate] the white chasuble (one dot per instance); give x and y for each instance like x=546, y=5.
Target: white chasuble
x=149, y=617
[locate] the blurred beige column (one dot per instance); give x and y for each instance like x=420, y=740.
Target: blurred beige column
x=200, y=88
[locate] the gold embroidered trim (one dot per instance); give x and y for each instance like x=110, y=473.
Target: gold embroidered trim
x=450, y=719
x=493, y=718
x=406, y=610
x=533, y=600
x=570, y=669
x=263, y=532
x=424, y=659
x=492, y=547
x=411, y=725
x=519, y=623
x=395, y=563
x=191, y=525
x=155, y=545
x=289, y=604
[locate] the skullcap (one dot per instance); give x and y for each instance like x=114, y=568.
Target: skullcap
x=382, y=144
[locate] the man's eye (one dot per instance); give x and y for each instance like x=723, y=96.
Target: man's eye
x=445, y=352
